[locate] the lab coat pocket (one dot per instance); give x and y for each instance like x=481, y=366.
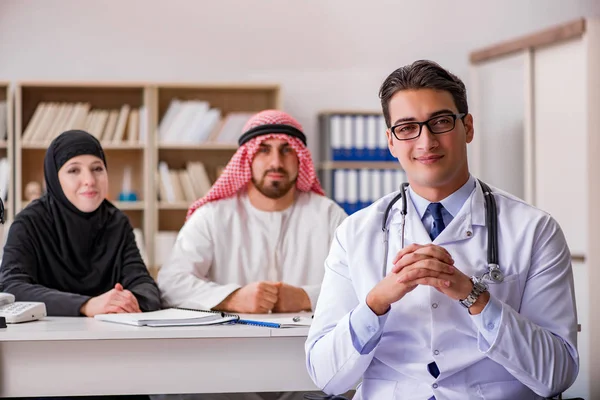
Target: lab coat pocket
x=509, y=291
x=377, y=389
x=505, y=390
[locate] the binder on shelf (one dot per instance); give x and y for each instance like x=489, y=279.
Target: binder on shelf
x=360, y=138
x=382, y=146
x=399, y=179
x=372, y=142
x=335, y=137
x=347, y=138
x=364, y=188
x=376, y=185
x=352, y=193
x=339, y=185
x=388, y=182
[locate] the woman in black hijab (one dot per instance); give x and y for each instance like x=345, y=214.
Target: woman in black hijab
x=72, y=249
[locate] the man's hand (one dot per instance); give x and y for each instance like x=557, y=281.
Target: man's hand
x=117, y=300
x=255, y=298
x=291, y=299
x=421, y=266
x=414, y=261
x=415, y=252
x=386, y=292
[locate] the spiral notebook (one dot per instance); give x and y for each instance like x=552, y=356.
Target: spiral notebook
x=170, y=317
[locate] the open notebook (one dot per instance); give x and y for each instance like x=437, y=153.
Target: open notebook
x=170, y=317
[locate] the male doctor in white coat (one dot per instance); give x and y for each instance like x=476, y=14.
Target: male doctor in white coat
x=436, y=327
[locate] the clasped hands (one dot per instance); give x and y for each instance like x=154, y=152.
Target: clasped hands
x=416, y=265
x=116, y=300
x=265, y=296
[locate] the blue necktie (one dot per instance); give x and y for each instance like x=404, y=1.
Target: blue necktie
x=435, y=209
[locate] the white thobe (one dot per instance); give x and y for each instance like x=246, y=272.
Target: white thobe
x=229, y=243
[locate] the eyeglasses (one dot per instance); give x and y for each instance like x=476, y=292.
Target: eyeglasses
x=436, y=125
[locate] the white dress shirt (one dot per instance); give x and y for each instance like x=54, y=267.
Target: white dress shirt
x=227, y=244
x=522, y=345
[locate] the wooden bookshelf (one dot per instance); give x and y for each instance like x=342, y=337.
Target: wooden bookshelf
x=29, y=155
x=6, y=147
x=147, y=213
x=228, y=98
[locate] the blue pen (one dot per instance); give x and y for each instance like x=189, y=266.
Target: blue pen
x=258, y=323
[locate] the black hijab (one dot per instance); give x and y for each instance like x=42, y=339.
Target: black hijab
x=78, y=230
x=53, y=246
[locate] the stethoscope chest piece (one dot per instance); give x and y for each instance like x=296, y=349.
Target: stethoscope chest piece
x=497, y=276
x=494, y=273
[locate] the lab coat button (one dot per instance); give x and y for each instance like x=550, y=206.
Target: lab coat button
x=434, y=305
x=372, y=329
x=490, y=326
x=436, y=352
x=469, y=233
x=435, y=386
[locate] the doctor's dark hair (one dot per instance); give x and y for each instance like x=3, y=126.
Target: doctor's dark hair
x=422, y=74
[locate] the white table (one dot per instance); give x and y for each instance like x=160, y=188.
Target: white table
x=82, y=356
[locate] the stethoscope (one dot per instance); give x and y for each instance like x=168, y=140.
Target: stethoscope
x=491, y=222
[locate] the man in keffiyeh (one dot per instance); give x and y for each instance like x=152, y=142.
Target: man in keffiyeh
x=258, y=240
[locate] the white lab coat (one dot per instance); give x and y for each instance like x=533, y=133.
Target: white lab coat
x=228, y=243
x=533, y=352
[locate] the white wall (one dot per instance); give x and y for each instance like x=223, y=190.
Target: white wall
x=498, y=102
x=325, y=53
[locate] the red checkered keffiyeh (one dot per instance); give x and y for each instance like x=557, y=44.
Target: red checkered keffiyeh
x=238, y=172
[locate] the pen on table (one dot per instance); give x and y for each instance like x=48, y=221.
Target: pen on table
x=298, y=318
x=260, y=323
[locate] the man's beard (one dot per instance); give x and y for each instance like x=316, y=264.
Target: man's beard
x=275, y=189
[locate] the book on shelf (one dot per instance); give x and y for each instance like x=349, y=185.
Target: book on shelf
x=184, y=185
x=232, y=127
x=109, y=126
x=195, y=122
x=3, y=120
x=190, y=121
x=4, y=178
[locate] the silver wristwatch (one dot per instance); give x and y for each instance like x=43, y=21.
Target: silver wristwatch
x=478, y=288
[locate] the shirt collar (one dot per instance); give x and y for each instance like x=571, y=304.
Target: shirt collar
x=452, y=203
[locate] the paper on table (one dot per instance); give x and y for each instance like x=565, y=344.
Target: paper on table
x=168, y=317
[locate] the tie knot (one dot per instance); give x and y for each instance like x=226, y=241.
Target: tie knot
x=435, y=209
